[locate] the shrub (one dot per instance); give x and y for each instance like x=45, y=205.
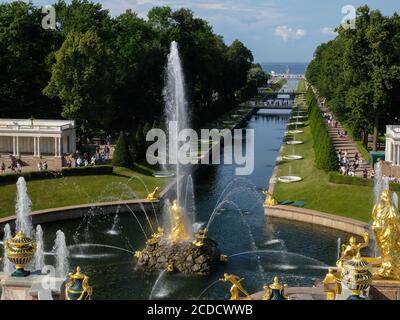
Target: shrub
x=65, y=172
x=325, y=154
x=122, y=156
x=337, y=178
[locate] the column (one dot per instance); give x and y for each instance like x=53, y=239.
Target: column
x=396, y=155
x=59, y=146
x=38, y=147
x=34, y=146
x=14, y=151
x=17, y=146
x=55, y=146
x=391, y=152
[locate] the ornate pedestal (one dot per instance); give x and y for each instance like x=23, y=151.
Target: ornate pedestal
x=385, y=290
x=32, y=287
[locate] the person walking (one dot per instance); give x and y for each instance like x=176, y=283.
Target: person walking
x=3, y=167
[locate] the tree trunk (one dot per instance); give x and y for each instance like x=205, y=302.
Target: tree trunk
x=376, y=132
x=365, y=138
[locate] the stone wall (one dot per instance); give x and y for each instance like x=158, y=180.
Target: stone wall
x=318, y=218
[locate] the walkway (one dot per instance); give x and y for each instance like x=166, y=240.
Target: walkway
x=342, y=143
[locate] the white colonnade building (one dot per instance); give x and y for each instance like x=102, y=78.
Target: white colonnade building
x=32, y=139
x=392, y=153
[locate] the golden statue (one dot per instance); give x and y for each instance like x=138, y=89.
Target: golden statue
x=236, y=287
x=270, y=201
x=386, y=227
x=178, y=230
x=331, y=285
x=349, y=251
x=155, y=195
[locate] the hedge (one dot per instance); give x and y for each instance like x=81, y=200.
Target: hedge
x=337, y=178
x=65, y=172
x=325, y=154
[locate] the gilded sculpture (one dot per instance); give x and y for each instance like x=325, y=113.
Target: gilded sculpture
x=270, y=201
x=178, y=227
x=350, y=250
x=155, y=195
x=236, y=287
x=386, y=228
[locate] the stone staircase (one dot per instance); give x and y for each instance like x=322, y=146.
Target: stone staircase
x=343, y=143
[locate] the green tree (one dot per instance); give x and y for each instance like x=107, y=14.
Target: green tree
x=82, y=79
x=122, y=155
x=24, y=49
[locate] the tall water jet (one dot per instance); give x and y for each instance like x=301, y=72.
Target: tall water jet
x=61, y=255
x=189, y=205
x=39, y=256
x=23, y=208
x=175, y=109
x=8, y=267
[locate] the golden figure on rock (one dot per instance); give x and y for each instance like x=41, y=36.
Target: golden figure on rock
x=270, y=201
x=236, y=287
x=386, y=228
x=155, y=195
x=178, y=230
x=349, y=251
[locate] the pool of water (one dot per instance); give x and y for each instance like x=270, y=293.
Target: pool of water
x=298, y=253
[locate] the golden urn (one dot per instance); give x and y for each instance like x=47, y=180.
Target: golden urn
x=20, y=250
x=77, y=287
x=356, y=276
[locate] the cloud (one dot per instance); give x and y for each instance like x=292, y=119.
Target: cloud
x=287, y=33
x=328, y=31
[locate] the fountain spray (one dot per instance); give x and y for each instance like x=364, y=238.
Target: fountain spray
x=39, y=256
x=61, y=253
x=23, y=208
x=8, y=266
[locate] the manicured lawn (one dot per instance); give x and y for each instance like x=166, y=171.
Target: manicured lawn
x=58, y=192
x=301, y=87
x=317, y=192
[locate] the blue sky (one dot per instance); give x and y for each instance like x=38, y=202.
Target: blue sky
x=275, y=30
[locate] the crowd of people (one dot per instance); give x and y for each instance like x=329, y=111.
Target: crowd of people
x=348, y=167
x=15, y=166
x=78, y=159
x=85, y=159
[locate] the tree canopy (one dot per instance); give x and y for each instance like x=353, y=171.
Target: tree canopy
x=359, y=73
x=107, y=73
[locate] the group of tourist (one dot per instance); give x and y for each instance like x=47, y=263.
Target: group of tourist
x=347, y=166
x=85, y=159
x=42, y=166
x=15, y=166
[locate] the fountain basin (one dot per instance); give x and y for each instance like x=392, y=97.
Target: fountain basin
x=296, y=123
x=163, y=174
x=295, y=131
x=289, y=179
x=292, y=157
x=294, y=142
x=298, y=117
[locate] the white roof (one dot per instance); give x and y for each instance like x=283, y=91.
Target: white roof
x=37, y=125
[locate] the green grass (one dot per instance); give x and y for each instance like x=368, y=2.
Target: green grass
x=301, y=87
x=59, y=192
x=317, y=192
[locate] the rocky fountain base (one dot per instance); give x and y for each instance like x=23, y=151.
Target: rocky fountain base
x=198, y=257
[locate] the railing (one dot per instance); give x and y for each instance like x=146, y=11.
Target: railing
x=16, y=127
